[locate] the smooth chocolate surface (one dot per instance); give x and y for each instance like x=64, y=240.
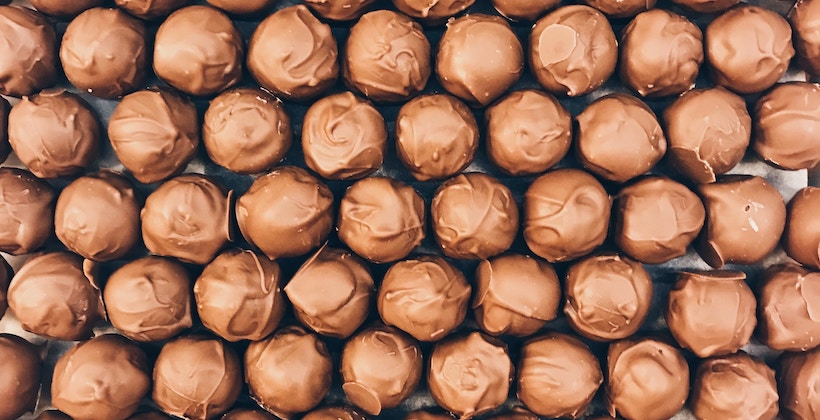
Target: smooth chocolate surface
x=243, y=7
x=798, y=380
x=523, y=9
x=801, y=239
x=785, y=125
x=788, y=309
x=26, y=211
x=339, y=9
x=737, y=386
x=20, y=383
x=28, y=51
x=804, y=18
x=64, y=9
x=432, y=12
x=150, y=9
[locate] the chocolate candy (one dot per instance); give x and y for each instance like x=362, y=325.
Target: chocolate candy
x=339, y=9
x=5, y=147
x=785, y=123
x=150, y=9
x=737, y=386
x=6, y=274
x=21, y=366
x=64, y=9
x=621, y=8
x=706, y=6
x=787, y=312
x=803, y=18
x=523, y=9
x=333, y=412
x=801, y=239
x=242, y=7
x=26, y=211
x=247, y=414
x=28, y=51
x=432, y=13
x=798, y=375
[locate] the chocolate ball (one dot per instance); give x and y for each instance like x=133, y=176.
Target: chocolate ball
x=558, y=376
x=432, y=13
x=566, y=215
x=26, y=211
x=6, y=274
x=426, y=297
x=801, y=239
x=343, y=137
x=706, y=6
x=401, y=69
x=798, y=375
x=786, y=308
x=294, y=54
x=304, y=215
x=239, y=296
x=5, y=147
x=617, y=9
x=786, y=125
x=618, y=138
x=803, y=18
x=339, y=9
x=67, y=135
x=426, y=415
x=65, y=9
x=57, y=415
x=745, y=216
x=334, y=413
x=737, y=386
x=97, y=216
x=248, y=414
x=524, y=9
x=573, y=50
x=708, y=132
x=104, y=52
x=150, y=9
x=105, y=377
x=20, y=382
x=332, y=292
x=677, y=53
x=154, y=133
x=149, y=299
x=243, y=7
x=28, y=51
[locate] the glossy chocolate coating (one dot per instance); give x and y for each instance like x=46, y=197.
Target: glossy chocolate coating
x=5, y=147
x=804, y=18
x=248, y=414
x=149, y=299
x=20, y=383
x=58, y=415
x=103, y=378
x=339, y=9
x=294, y=54
x=334, y=413
x=432, y=12
x=524, y=9
x=798, y=379
x=243, y=7
x=64, y=9
x=150, y=9
x=26, y=211
x=28, y=51
x=786, y=123
x=239, y=296
x=737, y=386
x=706, y=6
x=6, y=274
x=788, y=311
x=801, y=239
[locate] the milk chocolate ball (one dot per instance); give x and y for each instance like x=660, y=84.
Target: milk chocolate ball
x=786, y=125
x=803, y=18
x=432, y=12
x=706, y=6
x=737, y=386
x=64, y=9
x=20, y=382
x=798, y=376
x=150, y=9
x=786, y=308
x=26, y=211
x=28, y=51
x=243, y=7
x=339, y=9
x=801, y=239
x=523, y=9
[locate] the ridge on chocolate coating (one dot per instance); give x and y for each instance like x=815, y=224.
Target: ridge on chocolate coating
x=617, y=9
x=706, y=6
x=789, y=308
x=804, y=18
x=798, y=379
x=339, y=9
x=801, y=239
x=150, y=9
x=26, y=211
x=528, y=10
x=334, y=413
x=248, y=414
x=64, y=9
x=20, y=383
x=28, y=51
x=786, y=125
x=5, y=147
x=432, y=12
x=6, y=274
x=243, y=7
x=736, y=386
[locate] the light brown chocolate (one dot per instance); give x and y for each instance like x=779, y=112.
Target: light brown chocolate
x=785, y=124
x=432, y=12
x=150, y=9
x=339, y=9
x=788, y=312
x=64, y=9
x=21, y=366
x=248, y=414
x=798, y=380
x=26, y=211
x=243, y=7
x=801, y=239
x=737, y=386
x=706, y=6
x=334, y=413
x=804, y=18
x=523, y=9
x=28, y=51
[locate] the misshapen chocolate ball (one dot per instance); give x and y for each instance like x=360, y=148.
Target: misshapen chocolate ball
x=339, y=9
x=335, y=413
x=523, y=9
x=150, y=9
x=798, y=379
x=786, y=125
x=28, y=51
x=788, y=308
x=621, y=8
x=432, y=12
x=737, y=386
x=801, y=239
x=20, y=382
x=243, y=7
x=26, y=211
x=804, y=18
x=64, y=9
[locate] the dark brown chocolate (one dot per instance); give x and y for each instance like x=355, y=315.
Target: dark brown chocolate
x=150, y=9
x=334, y=413
x=64, y=9
x=6, y=274
x=28, y=51
x=58, y=415
x=26, y=211
x=248, y=414
x=243, y=7
x=524, y=9
x=804, y=18
x=432, y=12
x=617, y=9
x=339, y=9
x=21, y=366
x=737, y=386
x=788, y=308
x=798, y=380
x=5, y=147
x=785, y=124
x=149, y=415
x=801, y=239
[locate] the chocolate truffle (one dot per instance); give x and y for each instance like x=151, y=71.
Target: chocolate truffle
x=607, y=296
x=58, y=415
x=334, y=413
x=737, y=386
x=656, y=219
x=339, y=9
x=803, y=18
x=801, y=239
x=64, y=9
x=66, y=135
x=6, y=274
x=103, y=378
x=745, y=216
x=288, y=373
x=432, y=12
x=479, y=58
x=706, y=6
x=5, y=147
x=788, y=306
x=248, y=414
x=573, y=50
x=436, y=136
x=786, y=123
x=26, y=211
x=528, y=132
x=196, y=378
x=426, y=297
x=711, y=313
x=55, y=295
x=294, y=54
x=304, y=214
x=523, y=9
x=20, y=383
x=242, y=7
x=239, y=296
x=381, y=367
x=558, y=376
x=149, y=299
x=343, y=137
x=28, y=47
x=737, y=66
x=150, y=9
x=566, y=215
x=798, y=378
x=387, y=57
x=154, y=133
x=470, y=375
x=381, y=219
x=332, y=292
x=426, y=415
x=648, y=379
x=97, y=216
x=676, y=46
x=618, y=138
x=104, y=52
x=617, y=9
x=708, y=132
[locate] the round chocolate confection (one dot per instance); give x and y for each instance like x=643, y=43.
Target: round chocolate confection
x=387, y=57
x=20, y=383
x=524, y=9
x=470, y=375
x=381, y=367
x=154, y=133
x=332, y=292
x=335, y=413
x=515, y=295
x=150, y=9
x=67, y=135
x=248, y=414
x=787, y=308
x=294, y=54
x=736, y=386
x=785, y=126
x=803, y=18
x=104, y=52
x=573, y=50
x=105, y=377
x=656, y=219
x=745, y=216
x=566, y=215
x=97, y=216
x=677, y=53
x=436, y=136
x=426, y=297
x=708, y=132
x=57, y=415
x=617, y=9
x=339, y=9
x=26, y=211
x=343, y=137
x=432, y=12
x=196, y=378
x=288, y=373
x=239, y=296
x=798, y=379
x=243, y=7
x=528, y=132
x=618, y=138
x=55, y=295
x=711, y=313
x=5, y=147
x=801, y=239
x=381, y=219
x=149, y=299
x=64, y=9
x=28, y=47
x=706, y=6
x=6, y=274
x=740, y=68
x=479, y=58
x=558, y=376
x=426, y=415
